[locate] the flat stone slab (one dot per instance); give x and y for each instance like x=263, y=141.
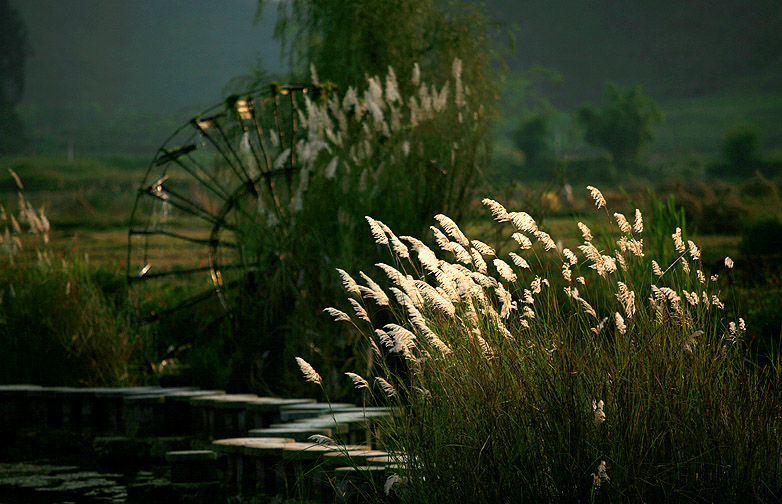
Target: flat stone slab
x=241, y=445
x=274, y=403
x=298, y=433
x=222, y=399
x=190, y=456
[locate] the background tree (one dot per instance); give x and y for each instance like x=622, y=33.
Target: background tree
x=624, y=127
x=14, y=52
x=348, y=40
x=533, y=138
x=741, y=148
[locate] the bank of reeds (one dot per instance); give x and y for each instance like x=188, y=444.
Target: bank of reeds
x=58, y=325
x=621, y=378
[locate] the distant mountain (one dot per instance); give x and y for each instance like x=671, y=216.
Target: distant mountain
x=673, y=48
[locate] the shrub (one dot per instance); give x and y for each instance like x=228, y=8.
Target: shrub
x=762, y=238
x=533, y=138
x=58, y=326
x=741, y=149
x=371, y=150
x=612, y=378
x=624, y=126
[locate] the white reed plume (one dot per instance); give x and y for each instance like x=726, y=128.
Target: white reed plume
x=728, y=263
x=685, y=265
x=308, y=371
x=338, y=315
x=450, y=227
x=434, y=298
x=484, y=281
x=402, y=281
x=523, y=222
x=392, y=88
x=393, y=478
x=482, y=248
x=416, y=75
x=638, y=225
x=566, y=273
x=386, y=387
x=404, y=340
x=447, y=281
x=456, y=69
x=585, y=232
x=518, y=260
x=497, y=210
x=714, y=277
x=689, y=344
x=545, y=239
x=358, y=381
x=570, y=256
x=373, y=291
x=602, y=474
x=347, y=281
x=600, y=326
x=597, y=196
x=621, y=221
x=507, y=302
x=656, y=268
x=677, y=241
x=377, y=231
x=621, y=260
x=620, y=323
x=695, y=252
x=627, y=298
x=361, y=313
x=426, y=256
x=478, y=262
x=384, y=338
x=691, y=297
x=522, y=240
x=459, y=252
x=597, y=408
x=321, y=439
x=505, y=271
x=701, y=276
x=397, y=246
x=440, y=238
x=636, y=247
x=715, y=301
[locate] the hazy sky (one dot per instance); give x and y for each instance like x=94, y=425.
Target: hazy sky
x=154, y=54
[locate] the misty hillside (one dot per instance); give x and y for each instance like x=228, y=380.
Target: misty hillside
x=123, y=73
x=672, y=48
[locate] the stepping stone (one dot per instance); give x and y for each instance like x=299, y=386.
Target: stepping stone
x=299, y=411
x=252, y=462
x=192, y=466
x=298, y=433
x=222, y=415
x=359, y=484
x=265, y=411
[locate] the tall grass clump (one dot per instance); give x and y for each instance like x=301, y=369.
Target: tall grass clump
x=592, y=374
x=372, y=150
x=57, y=325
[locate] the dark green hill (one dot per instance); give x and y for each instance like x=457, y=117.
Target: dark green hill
x=672, y=48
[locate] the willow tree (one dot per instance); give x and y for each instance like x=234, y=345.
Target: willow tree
x=348, y=41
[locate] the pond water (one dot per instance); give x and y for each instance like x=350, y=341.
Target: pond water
x=41, y=483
